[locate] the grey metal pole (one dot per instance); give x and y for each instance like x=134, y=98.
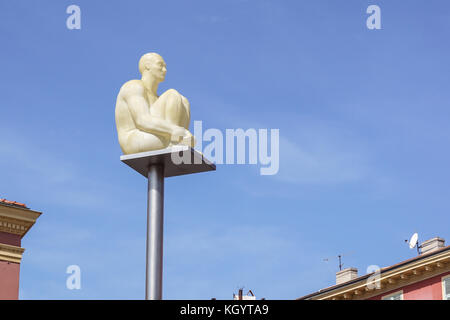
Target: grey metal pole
x=155, y=222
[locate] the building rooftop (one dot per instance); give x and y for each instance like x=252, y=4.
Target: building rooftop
x=16, y=217
x=12, y=203
x=382, y=270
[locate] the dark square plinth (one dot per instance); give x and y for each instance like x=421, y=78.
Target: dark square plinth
x=141, y=161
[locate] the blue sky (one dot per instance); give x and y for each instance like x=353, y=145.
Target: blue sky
x=363, y=118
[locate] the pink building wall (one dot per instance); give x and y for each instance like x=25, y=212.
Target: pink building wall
x=429, y=289
x=9, y=271
x=9, y=280
x=9, y=238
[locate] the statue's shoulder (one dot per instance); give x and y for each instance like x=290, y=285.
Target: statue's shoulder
x=132, y=87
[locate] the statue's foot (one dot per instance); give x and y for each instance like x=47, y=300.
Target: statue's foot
x=189, y=141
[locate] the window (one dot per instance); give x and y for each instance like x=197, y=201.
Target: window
x=446, y=288
x=394, y=296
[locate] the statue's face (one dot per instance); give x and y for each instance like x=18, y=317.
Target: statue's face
x=158, y=68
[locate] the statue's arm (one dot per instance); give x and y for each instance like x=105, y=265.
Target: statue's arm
x=188, y=109
x=143, y=120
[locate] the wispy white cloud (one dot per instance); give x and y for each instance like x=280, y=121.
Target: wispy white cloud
x=36, y=171
x=15, y=150
x=243, y=240
x=321, y=163
x=310, y=151
x=259, y=257
x=249, y=252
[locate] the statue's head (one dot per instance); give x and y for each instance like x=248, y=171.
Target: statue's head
x=154, y=64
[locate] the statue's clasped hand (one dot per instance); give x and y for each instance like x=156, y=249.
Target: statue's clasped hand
x=183, y=136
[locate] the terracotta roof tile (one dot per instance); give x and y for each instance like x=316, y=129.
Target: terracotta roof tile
x=13, y=203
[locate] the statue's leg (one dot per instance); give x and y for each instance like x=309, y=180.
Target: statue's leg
x=137, y=141
x=174, y=108
x=187, y=108
x=170, y=106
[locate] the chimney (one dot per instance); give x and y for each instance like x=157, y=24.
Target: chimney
x=241, y=296
x=346, y=275
x=432, y=245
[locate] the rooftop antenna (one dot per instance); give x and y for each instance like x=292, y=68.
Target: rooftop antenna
x=340, y=256
x=414, y=242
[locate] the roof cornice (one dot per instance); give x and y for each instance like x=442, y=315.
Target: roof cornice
x=390, y=278
x=17, y=220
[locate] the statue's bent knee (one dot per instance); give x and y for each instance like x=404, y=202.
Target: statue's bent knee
x=174, y=108
x=172, y=94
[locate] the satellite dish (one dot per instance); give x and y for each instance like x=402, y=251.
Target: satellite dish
x=413, y=240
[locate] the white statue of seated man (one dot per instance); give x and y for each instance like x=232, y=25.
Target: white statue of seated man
x=146, y=121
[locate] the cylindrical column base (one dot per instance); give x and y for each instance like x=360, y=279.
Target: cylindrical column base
x=155, y=222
